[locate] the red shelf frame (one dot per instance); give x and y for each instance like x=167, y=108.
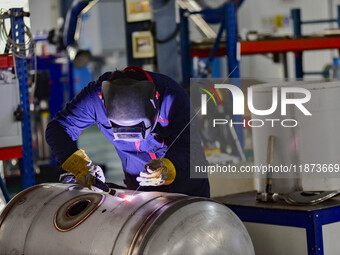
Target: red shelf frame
x=10, y=153
x=276, y=46
x=6, y=61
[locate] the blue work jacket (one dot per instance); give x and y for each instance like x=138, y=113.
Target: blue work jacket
x=87, y=109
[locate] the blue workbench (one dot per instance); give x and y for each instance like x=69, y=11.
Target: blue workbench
x=275, y=226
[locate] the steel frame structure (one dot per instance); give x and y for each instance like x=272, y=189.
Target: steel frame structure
x=228, y=16
x=25, y=152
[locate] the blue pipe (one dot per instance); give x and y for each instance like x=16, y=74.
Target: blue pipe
x=233, y=62
x=71, y=20
x=319, y=21
x=216, y=44
x=296, y=16
x=240, y=2
x=338, y=16
x=185, y=47
x=70, y=79
x=4, y=190
x=231, y=25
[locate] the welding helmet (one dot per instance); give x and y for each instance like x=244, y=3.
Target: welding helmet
x=132, y=107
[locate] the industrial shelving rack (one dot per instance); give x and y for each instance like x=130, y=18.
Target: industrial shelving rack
x=233, y=48
x=16, y=16
x=312, y=219
x=297, y=23
x=228, y=17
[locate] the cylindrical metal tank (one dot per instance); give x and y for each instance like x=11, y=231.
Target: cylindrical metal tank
x=312, y=141
x=67, y=219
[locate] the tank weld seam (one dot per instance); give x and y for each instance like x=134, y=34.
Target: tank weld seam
x=130, y=216
x=34, y=219
x=151, y=218
x=14, y=201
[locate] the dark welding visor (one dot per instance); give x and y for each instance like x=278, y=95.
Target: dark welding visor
x=131, y=107
x=132, y=133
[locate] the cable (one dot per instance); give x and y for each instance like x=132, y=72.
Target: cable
x=17, y=79
x=166, y=5
x=17, y=49
x=170, y=37
x=173, y=34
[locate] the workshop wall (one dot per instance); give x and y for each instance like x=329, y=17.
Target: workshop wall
x=44, y=15
x=266, y=19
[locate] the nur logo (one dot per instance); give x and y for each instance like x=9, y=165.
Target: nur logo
x=238, y=99
x=211, y=94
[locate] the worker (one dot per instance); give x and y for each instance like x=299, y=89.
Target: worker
x=145, y=116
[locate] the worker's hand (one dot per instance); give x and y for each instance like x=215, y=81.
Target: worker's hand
x=158, y=172
x=89, y=179
x=80, y=165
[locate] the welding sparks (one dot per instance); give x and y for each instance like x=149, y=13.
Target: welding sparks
x=128, y=198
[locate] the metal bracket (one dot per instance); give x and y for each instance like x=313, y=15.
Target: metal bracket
x=17, y=13
x=19, y=113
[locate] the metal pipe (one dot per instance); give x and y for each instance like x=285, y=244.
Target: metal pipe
x=296, y=16
x=319, y=21
x=4, y=190
x=185, y=48
x=79, y=18
x=338, y=20
x=270, y=162
x=216, y=44
x=201, y=24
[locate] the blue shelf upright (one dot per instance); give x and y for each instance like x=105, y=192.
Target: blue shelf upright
x=297, y=28
x=18, y=35
x=296, y=16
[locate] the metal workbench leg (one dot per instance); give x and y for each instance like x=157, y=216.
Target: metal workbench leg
x=314, y=234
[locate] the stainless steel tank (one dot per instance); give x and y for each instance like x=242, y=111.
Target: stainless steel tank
x=314, y=141
x=67, y=219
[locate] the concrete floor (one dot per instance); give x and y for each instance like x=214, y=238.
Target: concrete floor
x=101, y=151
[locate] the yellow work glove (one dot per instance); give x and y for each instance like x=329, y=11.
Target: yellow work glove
x=80, y=165
x=158, y=172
